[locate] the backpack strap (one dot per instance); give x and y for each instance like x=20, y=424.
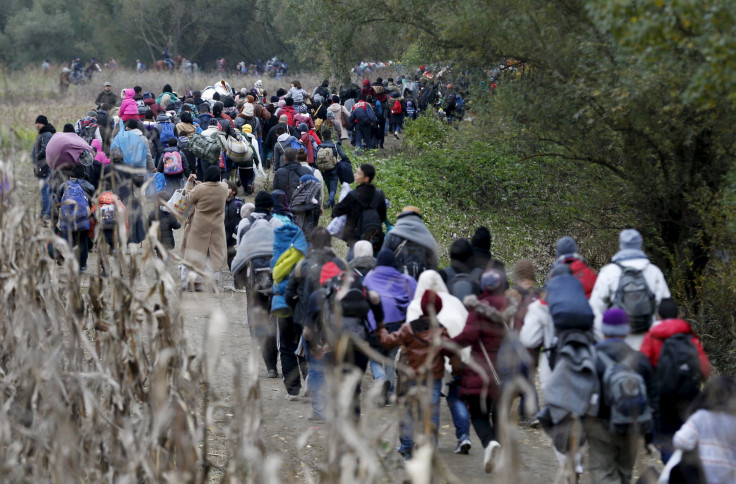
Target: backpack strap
x=401, y=246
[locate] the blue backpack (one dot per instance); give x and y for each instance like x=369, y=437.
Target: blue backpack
x=296, y=144
x=167, y=132
x=567, y=303
x=74, y=207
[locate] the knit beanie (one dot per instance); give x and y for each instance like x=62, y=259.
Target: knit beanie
x=386, y=257
x=274, y=99
x=615, y=322
x=41, y=119
x=302, y=128
x=264, y=202
x=523, y=270
x=363, y=248
x=431, y=299
x=329, y=271
x=282, y=103
x=630, y=239
x=91, y=113
x=461, y=250
x=566, y=246
x=247, y=128
x=248, y=109
x=366, y=82
x=212, y=174
x=481, y=239
x=493, y=281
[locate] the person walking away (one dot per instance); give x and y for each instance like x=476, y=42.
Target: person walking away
x=365, y=208
x=412, y=243
x=339, y=118
x=632, y=283
x=167, y=224
x=484, y=331
x=680, y=366
x=204, y=246
x=452, y=316
x=396, y=291
x=424, y=356
x=567, y=253
x=361, y=118
x=709, y=430
x=41, y=169
x=331, y=155
x=129, y=107
x=287, y=177
x=628, y=404
x=75, y=195
x=174, y=167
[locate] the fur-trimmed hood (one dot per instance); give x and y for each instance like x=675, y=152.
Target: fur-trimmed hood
x=484, y=308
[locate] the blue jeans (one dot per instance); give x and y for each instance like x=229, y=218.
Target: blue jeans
x=389, y=373
x=316, y=377
x=458, y=410
x=45, y=197
x=330, y=178
x=407, y=427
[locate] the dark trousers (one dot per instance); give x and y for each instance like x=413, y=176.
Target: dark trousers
x=79, y=239
x=363, y=136
x=247, y=176
x=262, y=327
x=358, y=359
x=481, y=418
x=293, y=367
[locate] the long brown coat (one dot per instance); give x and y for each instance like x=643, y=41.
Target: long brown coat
x=205, y=232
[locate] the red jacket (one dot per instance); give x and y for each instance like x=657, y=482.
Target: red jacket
x=654, y=339
x=484, y=326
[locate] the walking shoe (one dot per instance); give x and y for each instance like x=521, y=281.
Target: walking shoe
x=292, y=398
x=396, y=135
x=463, y=446
x=273, y=373
x=316, y=419
x=490, y=455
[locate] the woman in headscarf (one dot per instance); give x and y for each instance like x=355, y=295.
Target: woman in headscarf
x=281, y=207
x=205, y=246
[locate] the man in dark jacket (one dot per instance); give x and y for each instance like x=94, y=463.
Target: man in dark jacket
x=40, y=168
x=287, y=177
x=107, y=96
x=412, y=243
x=364, y=198
x=272, y=135
x=361, y=118
x=613, y=453
x=204, y=115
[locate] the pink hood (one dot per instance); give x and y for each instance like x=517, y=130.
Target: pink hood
x=100, y=156
x=129, y=108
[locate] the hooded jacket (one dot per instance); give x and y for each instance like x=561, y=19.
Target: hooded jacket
x=287, y=177
x=417, y=338
x=352, y=207
x=410, y=226
x=282, y=143
x=38, y=153
x=654, y=339
x=396, y=291
x=338, y=111
x=129, y=108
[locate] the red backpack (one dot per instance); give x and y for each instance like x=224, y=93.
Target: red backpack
x=583, y=272
x=397, y=108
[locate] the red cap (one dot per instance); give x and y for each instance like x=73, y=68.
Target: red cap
x=329, y=271
x=431, y=298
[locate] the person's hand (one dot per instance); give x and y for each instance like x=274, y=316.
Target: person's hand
x=652, y=451
x=192, y=178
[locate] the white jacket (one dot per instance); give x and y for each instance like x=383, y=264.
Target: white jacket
x=607, y=283
x=538, y=330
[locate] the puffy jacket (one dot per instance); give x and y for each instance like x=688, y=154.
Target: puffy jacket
x=654, y=340
x=129, y=108
x=485, y=326
x=287, y=177
x=417, y=337
x=38, y=153
x=337, y=112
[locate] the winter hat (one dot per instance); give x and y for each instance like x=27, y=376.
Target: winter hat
x=615, y=323
x=523, y=270
x=91, y=113
x=630, y=239
x=258, y=84
x=493, y=281
x=303, y=128
x=306, y=178
x=229, y=102
x=246, y=210
x=247, y=128
x=566, y=246
x=386, y=257
x=396, y=95
x=366, y=82
x=165, y=101
x=429, y=299
x=461, y=250
x=335, y=99
x=282, y=103
x=264, y=202
x=329, y=271
x=274, y=99
x=212, y=174
x=248, y=109
x=363, y=248
x=167, y=88
x=325, y=83
x=41, y=119
x=78, y=171
x=481, y=239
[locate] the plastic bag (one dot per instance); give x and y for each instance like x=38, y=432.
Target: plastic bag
x=178, y=202
x=336, y=227
x=132, y=146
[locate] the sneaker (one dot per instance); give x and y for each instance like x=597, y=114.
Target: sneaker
x=396, y=135
x=273, y=374
x=316, y=419
x=490, y=455
x=391, y=400
x=292, y=398
x=463, y=446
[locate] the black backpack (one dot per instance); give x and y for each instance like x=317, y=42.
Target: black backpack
x=411, y=258
x=678, y=372
x=634, y=296
x=369, y=226
x=260, y=275
x=463, y=284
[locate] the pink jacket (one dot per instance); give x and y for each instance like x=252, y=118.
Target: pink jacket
x=100, y=156
x=129, y=108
